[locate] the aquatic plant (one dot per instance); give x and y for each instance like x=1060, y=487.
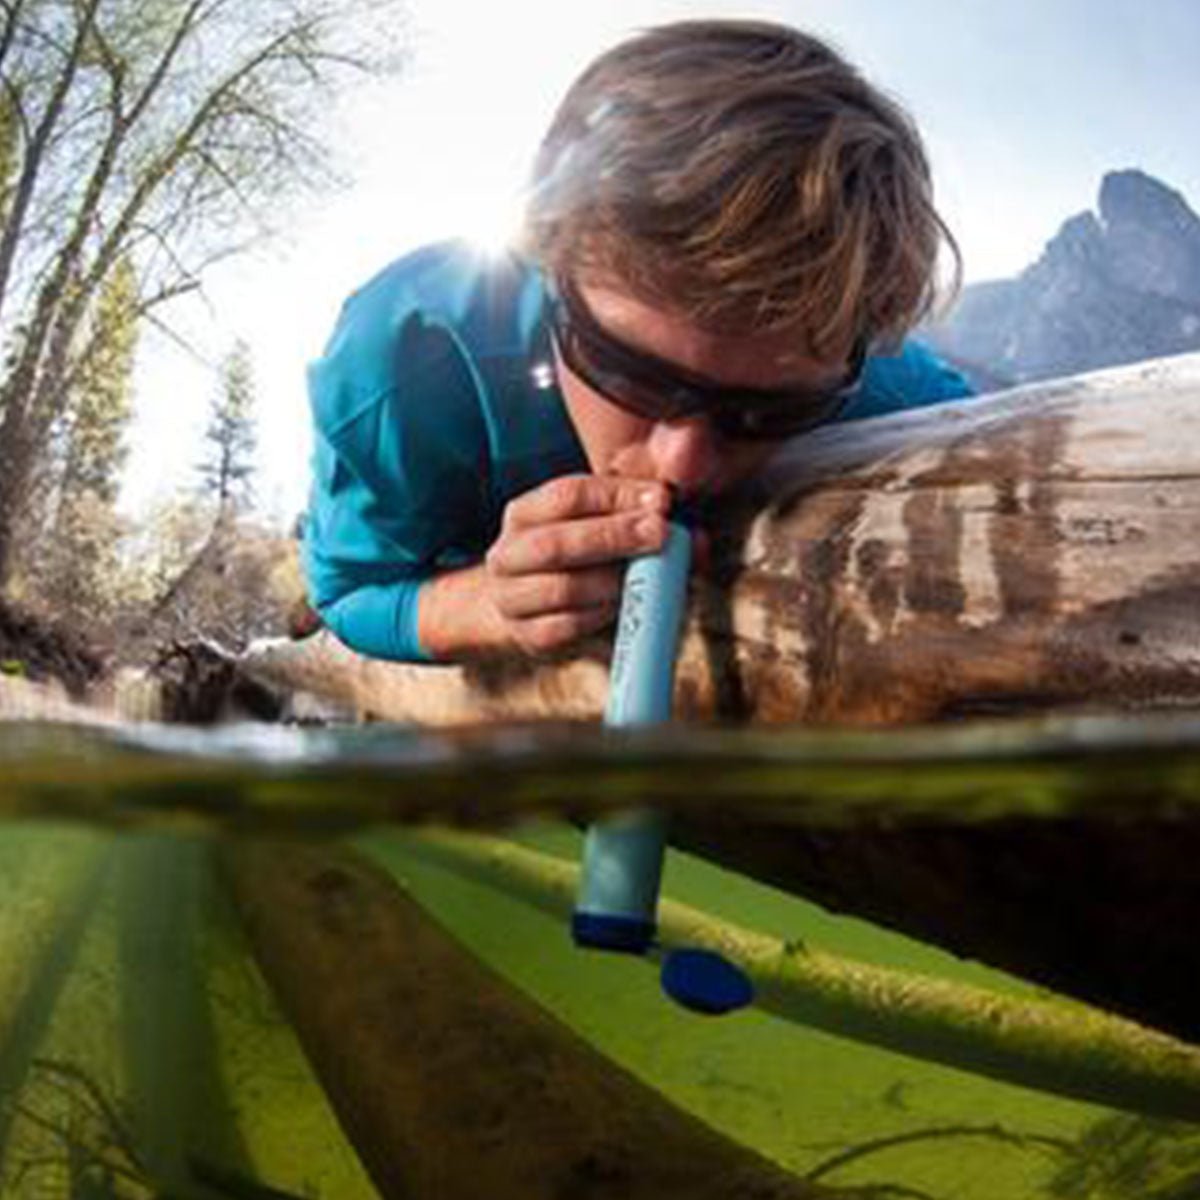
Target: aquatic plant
x=1116, y=1158
x=87, y=1144
x=855, y=1153
x=1124, y=1156
x=74, y=1133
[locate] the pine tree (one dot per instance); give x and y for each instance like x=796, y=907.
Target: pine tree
x=102, y=405
x=227, y=471
x=226, y=479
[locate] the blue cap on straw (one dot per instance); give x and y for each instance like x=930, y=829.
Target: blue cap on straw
x=705, y=982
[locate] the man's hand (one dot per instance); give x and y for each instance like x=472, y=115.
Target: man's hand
x=554, y=573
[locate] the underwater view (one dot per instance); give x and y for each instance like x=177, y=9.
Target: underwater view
x=205, y=994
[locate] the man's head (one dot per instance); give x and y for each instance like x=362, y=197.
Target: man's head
x=746, y=175
x=733, y=198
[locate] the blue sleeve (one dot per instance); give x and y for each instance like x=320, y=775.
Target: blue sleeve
x=357, y=577
x=400, y=481
x=379, y=620
x=914, y=377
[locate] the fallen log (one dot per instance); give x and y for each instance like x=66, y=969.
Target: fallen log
x=1030, y=550
x=448, y=1082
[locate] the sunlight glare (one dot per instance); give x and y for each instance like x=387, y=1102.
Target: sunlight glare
x=492, y=222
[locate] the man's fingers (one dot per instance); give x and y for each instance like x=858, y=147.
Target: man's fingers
x=575, y=496
x=553, y=575
x=526, y=596
x=580, y=543
x=544, y=635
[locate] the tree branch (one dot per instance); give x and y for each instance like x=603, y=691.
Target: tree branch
x=179, y=340
x=33, y=159
x=187, y=22
x=12, y=13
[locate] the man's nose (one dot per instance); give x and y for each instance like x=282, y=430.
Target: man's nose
x=685, y=453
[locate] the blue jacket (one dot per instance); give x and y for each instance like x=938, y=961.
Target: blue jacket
x=434, y=405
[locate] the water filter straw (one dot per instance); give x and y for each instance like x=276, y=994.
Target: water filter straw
x=623, y=855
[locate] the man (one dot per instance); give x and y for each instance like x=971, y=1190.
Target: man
x=729, y=232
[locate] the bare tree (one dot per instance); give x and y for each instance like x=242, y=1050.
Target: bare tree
x=161, y=132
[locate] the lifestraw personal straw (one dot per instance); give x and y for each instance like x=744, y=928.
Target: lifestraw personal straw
x=623, y=855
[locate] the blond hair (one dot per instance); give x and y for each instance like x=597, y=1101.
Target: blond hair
x=747, y=176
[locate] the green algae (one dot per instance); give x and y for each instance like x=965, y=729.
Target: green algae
x=138, y=1005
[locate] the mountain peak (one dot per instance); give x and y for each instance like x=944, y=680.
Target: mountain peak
x=1133, y=197
x=1080, y=240
x=1152, y=237
x=1107, y=289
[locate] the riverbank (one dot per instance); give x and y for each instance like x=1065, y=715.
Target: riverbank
x=42, y=651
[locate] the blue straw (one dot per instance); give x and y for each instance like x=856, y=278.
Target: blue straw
x=623, y=856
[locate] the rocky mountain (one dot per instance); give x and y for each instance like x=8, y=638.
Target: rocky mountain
x=1111, y=287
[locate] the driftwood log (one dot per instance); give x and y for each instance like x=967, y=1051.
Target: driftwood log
x=1034, y=550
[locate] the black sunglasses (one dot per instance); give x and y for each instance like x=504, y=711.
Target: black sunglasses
x=656, y=390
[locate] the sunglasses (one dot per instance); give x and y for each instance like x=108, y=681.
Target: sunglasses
x=656, y=390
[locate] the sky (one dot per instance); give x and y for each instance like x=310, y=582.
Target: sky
x=1024, y=105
